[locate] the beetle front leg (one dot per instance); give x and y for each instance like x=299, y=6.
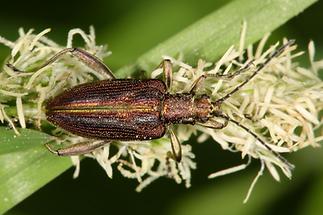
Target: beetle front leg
x=200, y=79
x=78, y=149
x=88, y=59
x=236, y=73
x=167, y=67
x=214, y=124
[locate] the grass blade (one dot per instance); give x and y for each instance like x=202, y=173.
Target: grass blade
x=27, y=139
x=214, y=34
x=26, y=170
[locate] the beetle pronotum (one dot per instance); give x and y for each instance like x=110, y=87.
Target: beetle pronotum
x=130, y=109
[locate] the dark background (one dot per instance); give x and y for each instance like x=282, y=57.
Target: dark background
x=130, y=28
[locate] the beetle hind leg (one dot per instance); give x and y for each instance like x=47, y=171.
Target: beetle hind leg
x=88, y=59
x=78, y=149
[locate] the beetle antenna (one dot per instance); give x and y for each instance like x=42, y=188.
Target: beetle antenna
x=274, y=54
x=281, y=158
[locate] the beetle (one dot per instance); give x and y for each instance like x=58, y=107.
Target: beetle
x=137, y=110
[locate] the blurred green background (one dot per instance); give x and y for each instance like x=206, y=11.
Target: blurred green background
x=130, y=28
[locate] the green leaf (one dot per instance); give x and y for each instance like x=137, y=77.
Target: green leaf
x=136, y=32
x=10, y=142
x=211, y=36
x=29, y=167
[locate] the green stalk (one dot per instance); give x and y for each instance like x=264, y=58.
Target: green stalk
x=211, y=36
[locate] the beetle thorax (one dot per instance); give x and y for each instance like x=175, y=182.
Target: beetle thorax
x=186, y=108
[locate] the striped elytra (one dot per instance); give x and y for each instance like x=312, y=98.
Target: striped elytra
x=124, y=109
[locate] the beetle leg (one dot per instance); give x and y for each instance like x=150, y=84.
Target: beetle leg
x=176, y=147
x=236, y=73
x=168, y=165
x=214, y=124
x=77, y=149
x=195, y=85
x=167, y=67
x=88, y=59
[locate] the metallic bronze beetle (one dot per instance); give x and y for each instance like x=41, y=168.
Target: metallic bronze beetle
x=130, y=109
